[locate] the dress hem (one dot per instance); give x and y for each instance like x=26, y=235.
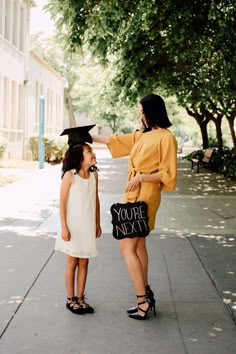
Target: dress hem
x=76, y=256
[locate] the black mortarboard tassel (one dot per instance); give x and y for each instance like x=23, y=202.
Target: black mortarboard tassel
x=78, y=135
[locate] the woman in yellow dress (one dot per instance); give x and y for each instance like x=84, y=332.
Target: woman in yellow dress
x=152, y=167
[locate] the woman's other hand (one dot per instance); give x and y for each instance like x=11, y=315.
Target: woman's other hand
x=133, y=183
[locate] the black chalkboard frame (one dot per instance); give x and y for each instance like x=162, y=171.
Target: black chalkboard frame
x=129, y=220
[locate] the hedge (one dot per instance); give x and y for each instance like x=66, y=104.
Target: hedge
x=222, y=162
x=54, y=148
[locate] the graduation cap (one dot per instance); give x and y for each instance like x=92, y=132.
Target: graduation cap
x=78, y=135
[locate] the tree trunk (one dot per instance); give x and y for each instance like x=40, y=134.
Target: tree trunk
x=202, y=121
x=218, y=122
x=230, y=120
x=217, y=119
x=203, y=128
x=71, y=115
x=69, y=105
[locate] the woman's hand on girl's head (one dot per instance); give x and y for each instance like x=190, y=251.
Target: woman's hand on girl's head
x=133, y=183
x=65, y=234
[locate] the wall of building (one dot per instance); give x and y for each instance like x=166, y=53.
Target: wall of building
x=44, y=82
x=24, y=77
x=14, y=33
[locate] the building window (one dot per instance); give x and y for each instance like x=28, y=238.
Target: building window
x=5, y=102
x=51, y=110
x=15, y=23
x=47, y=106
x=8, y=20
x=2, y=17
x=21, y=108
x=36, y=106
x=22, y=29
x=57, y=111
x=14, y=105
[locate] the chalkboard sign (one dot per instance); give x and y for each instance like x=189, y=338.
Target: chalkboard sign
x=129, y=220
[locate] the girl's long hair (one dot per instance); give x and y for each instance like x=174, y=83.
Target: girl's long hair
x=155, y=112
x=73, y=158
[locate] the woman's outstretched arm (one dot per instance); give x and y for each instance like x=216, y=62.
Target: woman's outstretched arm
x=103, y=139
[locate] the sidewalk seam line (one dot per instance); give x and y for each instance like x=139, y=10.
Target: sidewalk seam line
x=175, y=309
x=44, y=220
x=23, y=300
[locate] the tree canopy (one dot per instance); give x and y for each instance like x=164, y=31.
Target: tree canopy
x=186, y=47
x=86, y=93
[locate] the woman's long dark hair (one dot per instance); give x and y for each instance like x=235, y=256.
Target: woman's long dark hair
x=155, y=112
x=73, y=158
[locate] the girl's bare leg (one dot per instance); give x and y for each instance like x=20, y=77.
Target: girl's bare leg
x=71, y=264
x=82, y=272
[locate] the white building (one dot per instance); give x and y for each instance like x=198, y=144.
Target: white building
x=24, y=77
x=45, y=82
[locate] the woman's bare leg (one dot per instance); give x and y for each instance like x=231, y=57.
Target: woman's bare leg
x=143, y=256
x=128, y=248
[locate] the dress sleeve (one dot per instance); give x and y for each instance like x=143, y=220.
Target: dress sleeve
x=168, y=162
x=121, y=145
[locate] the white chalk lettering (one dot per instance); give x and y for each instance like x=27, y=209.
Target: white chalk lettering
x=131, y=228
x=118, y=213
x=142, y=211
x=140, y=222
x=120, y=229
x=135, y=213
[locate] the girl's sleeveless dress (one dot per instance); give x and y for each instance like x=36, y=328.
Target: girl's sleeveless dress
x=81, y=219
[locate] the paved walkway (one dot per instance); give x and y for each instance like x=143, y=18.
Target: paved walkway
x=192, y=271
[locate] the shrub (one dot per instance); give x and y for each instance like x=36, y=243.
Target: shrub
x=217, y=160
x=198, y=154
x=221, y=162
x=2, y=148
x=228, y=166
x=212, y=142
x=33, y=147
x=54, y=148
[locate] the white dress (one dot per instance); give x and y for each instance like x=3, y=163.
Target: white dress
x=81, y=219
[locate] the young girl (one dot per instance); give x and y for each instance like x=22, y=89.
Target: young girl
x=80, y=221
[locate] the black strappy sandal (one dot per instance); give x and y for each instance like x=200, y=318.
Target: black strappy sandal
x=86, y=307
x=136, y=315
x=152, y=301
x=73, y=305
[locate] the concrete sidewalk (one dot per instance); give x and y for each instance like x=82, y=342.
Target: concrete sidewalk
x=192, y=270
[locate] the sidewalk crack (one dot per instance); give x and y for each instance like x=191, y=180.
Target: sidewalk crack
x=24, y=298
x=175, y=309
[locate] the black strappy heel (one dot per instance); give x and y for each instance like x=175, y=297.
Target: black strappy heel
x=152, y=301
x=73, y=305
x=136, y=315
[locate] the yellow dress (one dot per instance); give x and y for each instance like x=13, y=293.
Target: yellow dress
x=151, y=152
